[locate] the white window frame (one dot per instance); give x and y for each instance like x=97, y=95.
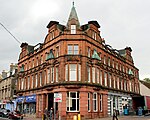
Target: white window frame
x=79, y=72
x=70, y=99
x=97, y=75
x=22, y=83
x=72, y=72
x=40, y=79
x=93, y=74
x=101, y=77
x=28, y=82
x=89, y=52
x=95, y=108
x=105, y=78
x=52, y=74
x=57, y=74
x=36, y=80
x=89, y=104
x=32, y=81
x=73, y=29
x=66, y=74
x=89, y=73
x=48, y=75
x=101, y=102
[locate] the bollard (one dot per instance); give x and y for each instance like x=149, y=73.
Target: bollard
x=79, y=117
x=74, y=117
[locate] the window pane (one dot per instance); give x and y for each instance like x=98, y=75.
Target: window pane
x=73, y=95
x=70, y=50
x=76, y=49
x=73, y=72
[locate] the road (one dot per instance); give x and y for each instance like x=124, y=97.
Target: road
x=126, y=118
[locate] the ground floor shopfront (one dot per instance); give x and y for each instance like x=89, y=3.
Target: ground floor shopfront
x=119, y=101
x=89, y=102
x=26, y=104
x=8, y=104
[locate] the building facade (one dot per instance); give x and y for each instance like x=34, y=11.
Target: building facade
x=8, y=88
x=75, y=61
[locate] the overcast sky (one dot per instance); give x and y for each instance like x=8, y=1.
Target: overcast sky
x=123, y=23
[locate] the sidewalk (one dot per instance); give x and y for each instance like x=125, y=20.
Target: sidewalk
x=107, y=118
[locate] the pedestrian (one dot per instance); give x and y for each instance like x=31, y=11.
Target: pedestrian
x=115, y=114
x=51, y=113
x=46, y=114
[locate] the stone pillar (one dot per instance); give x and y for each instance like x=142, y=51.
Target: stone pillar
x=37, y=105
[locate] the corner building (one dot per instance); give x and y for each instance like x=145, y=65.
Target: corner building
x=75, y=61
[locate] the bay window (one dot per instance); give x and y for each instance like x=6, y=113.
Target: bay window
x=73, y=49
x=73, y=72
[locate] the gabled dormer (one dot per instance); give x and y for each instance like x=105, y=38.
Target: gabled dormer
x=73, y=21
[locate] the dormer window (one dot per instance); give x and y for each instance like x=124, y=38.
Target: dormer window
x=73, y=29
x=94, y=35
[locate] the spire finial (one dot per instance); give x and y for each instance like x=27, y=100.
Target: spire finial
x=73, y=3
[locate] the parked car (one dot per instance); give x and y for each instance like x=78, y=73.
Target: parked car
x=15, y=115
x=4, y=112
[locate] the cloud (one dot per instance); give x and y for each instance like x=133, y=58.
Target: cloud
x=123, y=23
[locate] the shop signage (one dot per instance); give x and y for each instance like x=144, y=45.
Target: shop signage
x=57, y=97
x=20, y=99
x=31, y=98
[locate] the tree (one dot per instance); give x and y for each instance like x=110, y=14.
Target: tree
x=147, y=79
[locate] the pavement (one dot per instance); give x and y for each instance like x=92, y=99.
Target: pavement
x=107, y=118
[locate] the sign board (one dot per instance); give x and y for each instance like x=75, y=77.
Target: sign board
x=57, y=97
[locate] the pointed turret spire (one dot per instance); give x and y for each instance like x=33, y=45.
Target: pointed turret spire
x=73, y=16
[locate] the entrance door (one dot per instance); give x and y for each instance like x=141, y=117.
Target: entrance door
x=50, y=100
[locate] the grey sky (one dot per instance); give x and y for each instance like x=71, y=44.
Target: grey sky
x=123, y=23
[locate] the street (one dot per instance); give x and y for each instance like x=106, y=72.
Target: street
x=108, y=118
x=126, y=118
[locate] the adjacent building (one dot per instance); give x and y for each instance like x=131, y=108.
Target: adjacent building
x=75, y=62
x=8, y=88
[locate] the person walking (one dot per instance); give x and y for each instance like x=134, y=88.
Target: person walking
x=115, y=114
x=46, y=114
x=51, y=113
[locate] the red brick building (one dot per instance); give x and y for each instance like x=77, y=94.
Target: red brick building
x=75, y=61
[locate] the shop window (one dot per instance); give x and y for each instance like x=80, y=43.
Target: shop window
x=94, y=102
x=40, y=102
x=73, y=101
x=101, y=103
x=73, y=29
x=89, y=104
